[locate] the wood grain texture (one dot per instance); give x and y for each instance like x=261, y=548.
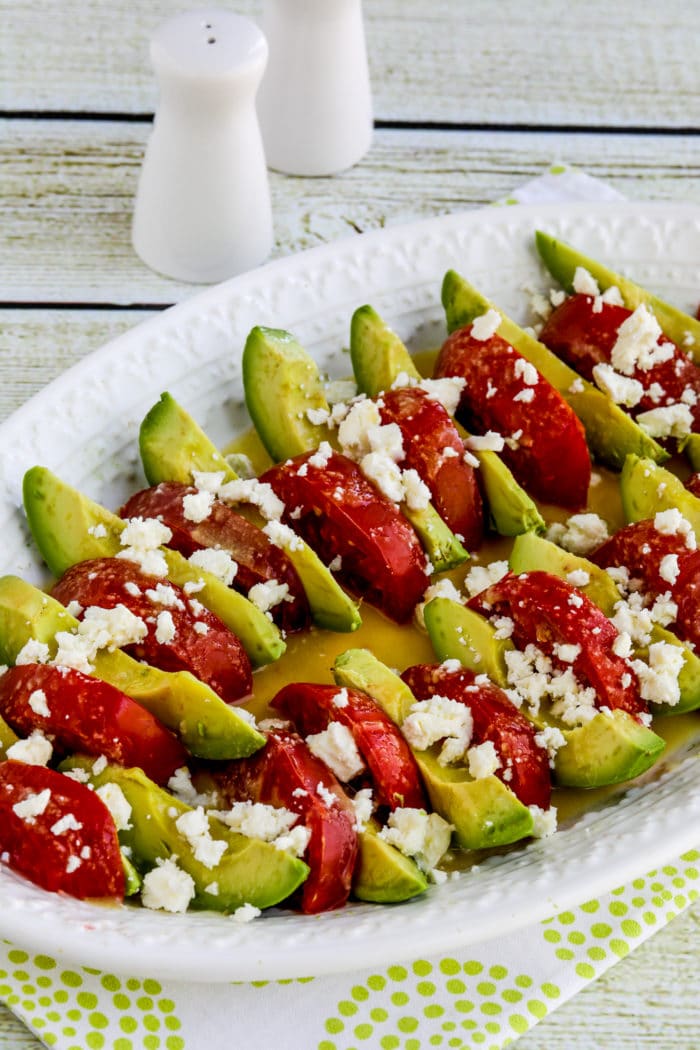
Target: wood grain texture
x=588, y=64
x=69, y=187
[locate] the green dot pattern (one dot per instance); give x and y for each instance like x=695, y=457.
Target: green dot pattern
x=486, y=998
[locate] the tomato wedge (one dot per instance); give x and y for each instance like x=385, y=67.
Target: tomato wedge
x=434, y=449
x=88, y=715
x=57, y=833
x=548, y=612
x=342, y=515
x=285, y=773
x=583, y=332
x=524, y=765
x=190, y=638
x=392, y=767
x=257, y=558
x=545, y=443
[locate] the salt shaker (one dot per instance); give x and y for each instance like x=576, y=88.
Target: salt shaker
x=315, y=103
x=202, y=210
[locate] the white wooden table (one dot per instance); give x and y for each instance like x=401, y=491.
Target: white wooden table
x=470, y=100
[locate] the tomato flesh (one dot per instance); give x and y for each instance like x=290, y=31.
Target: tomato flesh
x=285, y=773
x=257, y=558
x=547, y=611
x=81, y=861
x=524, y=765
x=393, y=771
x=215, y=656
x=545, y=442
x=90, y=716
x=583, y=333
x=434, y=449
x=341, y=515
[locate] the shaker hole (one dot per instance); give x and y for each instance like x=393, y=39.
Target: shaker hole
x=211, y=40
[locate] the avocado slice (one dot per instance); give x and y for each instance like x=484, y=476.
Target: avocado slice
x=173, y=445
x=250, y=871
x=485, y=812
x=561, y=260
x=607, y=750
x=647, y=488
x=8, y=737
x=61, y=520
x=691, y=447
x=282, y=384
x=610, y=432
x=382, y=873
x=532, y=552
x=378, y=358
x=207, y=726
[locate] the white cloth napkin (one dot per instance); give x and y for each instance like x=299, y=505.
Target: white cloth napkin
x=485, y=996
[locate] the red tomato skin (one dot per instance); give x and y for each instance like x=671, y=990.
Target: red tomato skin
x=427, y=431
x=216, y=658
x=538, y=603
x=584, y=337
x=285, y=773
x=551, y=460
x=339, y=513
x=693, y=484
x=394, y=774
x=90, y=716
x=495, y=719
x=257, y=558
x=39, y=855
x=641, y=548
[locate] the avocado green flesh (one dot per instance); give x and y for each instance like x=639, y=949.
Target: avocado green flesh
x=282, y=384
x=562, y=260
x=61, y=518
x=250, y=871
x=132, y=879
x=207, y=726
x=642, y=497
x=378, y=356
x=484, y=812
x=691, y=447
x=610, y=432
x=7, y=738
x=382, y=873
x=532, y=552
x=606, y=750
x=511, y=510
x=173, y=446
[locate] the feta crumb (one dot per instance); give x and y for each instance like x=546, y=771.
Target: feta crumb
x=621, y=389
x=385, y=474
x=544, y=821
x=38, y=703
x=483, y=760
x=448, y=391
x=72, y=864
x=353, y=430
x=32, y=806
x=268, y=594
x=282, y=536
x=165, y=627
x=672, y=523
x=117, y=804
x=426, y=837
x=668, y=568
x=167, y=887
x=578, y=386
x=141, y=540
x=658, y=680
x=578, y=578
x=181, y=786
x=201, y=628
x=99, y=629
x=99, y=765
x=321, y=456
x=387, y=439
x=327, y=797
x=637, y=345
x=567, y=653
x=488, y=442
x=482, y=576
x=74, y=609
x=486, y=325
x=416, y=492
x=197, y=506
x=364, y=807
x=35, y=750
x=33, y=652
x=272, y=824
x=581, y=533
x=671, y=421
x=246, y=913
x=504, y=627
x=341, y=698
x=584, y=282
x=526, y=371
x=194, y=826
x=65, y=823
x=550, y=739
x=219, y=563
x=164, y=594
x=526, y=395
x=439, y=718
x=337, y=748
x=258, y=493
x=99, y=531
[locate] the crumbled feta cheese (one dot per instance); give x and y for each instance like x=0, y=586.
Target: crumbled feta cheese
x=550, y=739
x=426, y=837
x=246, y=913
x=72, y=864
x=482, y=576
x=164, y=594
x=208, y=480
x=258, y=493
x=99, y=765
x=74, y=608
x=658, y=680
x=388, y=440
x=326, y=795
x=566, y=652
x=337, y=748
x=578, y=386
x=672, y=523
x=99, y=629
x=99, y=531
x=141, y=539
x=117, y=804
x=664, y=610
x=364, y=807
x=632, y=618
x=256, y=820
x=544, y=821
x=38, y=703
x=33, y=652
x=488, y=442
x=584, y=283
x=483, y=760
x=385, y=474
x=622, y=645
x=668, y=568
x=32, y=806
x=321, y=456
x=35, y=750
x=341, y=698
x=504, y=627
x=448, y=391
x=526, y=395
x=621, y=389
x=416, y=492
x=219, y=563
x=201, y=628
x=526, y=371
x=282, y=536
x=165, y=627
x=439, y=718
x=671, y=421
x=181, y=786
x=167, y=887
x=637, y=344
x=578, y=578
x=194, y=826
x=318, y=416
x=486, y=325
x=581, y=533
x=197, y=506
x=64, y=824
x=353, y=430
x=269, y=593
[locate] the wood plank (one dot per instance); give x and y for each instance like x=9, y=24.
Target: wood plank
x=646, y=1002
x=69, y=186
x=543, y=62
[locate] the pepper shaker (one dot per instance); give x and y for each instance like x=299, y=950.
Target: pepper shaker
x=315, y=103
x=202, y=210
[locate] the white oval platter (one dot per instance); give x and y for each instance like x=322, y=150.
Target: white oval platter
x=84, y=426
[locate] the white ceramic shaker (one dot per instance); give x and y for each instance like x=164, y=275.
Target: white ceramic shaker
x=202, y=210
x=315, y=102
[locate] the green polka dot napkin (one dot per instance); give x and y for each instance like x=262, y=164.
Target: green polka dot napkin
x=485, y=996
